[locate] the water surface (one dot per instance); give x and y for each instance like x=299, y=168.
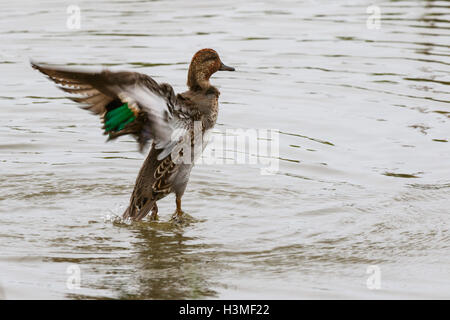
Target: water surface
x=364, y=176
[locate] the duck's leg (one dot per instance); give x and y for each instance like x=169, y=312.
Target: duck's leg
x=154, y=214
x=177, y=216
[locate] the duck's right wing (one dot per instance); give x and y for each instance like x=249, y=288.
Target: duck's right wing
x=128, y=103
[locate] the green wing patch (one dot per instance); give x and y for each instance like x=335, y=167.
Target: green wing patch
x=117, y=119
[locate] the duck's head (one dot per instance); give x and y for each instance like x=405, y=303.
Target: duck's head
x=203, y=65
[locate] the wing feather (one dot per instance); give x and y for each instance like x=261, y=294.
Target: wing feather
x=159, y=116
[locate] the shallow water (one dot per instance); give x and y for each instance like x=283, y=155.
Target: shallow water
x=364, y=153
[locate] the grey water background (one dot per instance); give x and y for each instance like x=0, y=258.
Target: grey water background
x=364, y=153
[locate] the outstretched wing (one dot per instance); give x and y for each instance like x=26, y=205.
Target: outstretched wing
x=128, y=103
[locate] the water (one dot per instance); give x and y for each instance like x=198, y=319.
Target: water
x=364, y=175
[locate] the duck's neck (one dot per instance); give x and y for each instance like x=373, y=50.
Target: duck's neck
x=198, y=80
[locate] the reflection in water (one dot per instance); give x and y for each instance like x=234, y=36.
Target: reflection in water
x=167, y=267
x=164, y=264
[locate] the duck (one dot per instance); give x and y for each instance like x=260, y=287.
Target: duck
x=132, y=103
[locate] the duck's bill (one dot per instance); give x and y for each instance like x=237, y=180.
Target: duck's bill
x=226, y=68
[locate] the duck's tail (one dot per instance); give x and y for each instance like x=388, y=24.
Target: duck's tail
x=138, y=210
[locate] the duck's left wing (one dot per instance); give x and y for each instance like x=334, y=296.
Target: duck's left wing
x=128, y=103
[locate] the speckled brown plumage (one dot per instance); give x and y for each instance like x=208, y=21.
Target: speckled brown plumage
x=159, y=118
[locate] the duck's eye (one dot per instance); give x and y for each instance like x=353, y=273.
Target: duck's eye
x=209, y=58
